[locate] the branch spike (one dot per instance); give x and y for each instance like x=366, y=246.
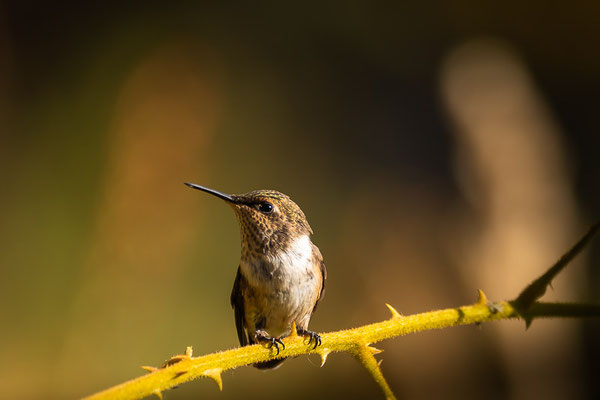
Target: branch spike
x=215, y=375
x=294, y=332
x=482, y=298
x=148, y=368
x=374, y=350
x=323, y=354
x=158, y=394
x=189, y=351
x=395, y=314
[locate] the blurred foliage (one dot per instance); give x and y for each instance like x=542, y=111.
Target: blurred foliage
x=420, y=158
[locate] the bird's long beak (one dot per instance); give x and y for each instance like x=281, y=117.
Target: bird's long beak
x=220, y=195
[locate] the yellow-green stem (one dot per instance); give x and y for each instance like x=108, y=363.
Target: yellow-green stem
x=212, y=365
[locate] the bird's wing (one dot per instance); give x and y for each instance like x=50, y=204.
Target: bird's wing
x=237, y=302
x=323, y=271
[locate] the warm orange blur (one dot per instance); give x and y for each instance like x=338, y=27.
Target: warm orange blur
x=431, y=160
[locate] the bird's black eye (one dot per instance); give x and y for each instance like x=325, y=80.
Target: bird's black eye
x=265, y=208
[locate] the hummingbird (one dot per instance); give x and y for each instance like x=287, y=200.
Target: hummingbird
x=281, y=275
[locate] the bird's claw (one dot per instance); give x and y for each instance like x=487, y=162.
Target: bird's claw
x=311, y=336
x=273, y=342
x=276, y=342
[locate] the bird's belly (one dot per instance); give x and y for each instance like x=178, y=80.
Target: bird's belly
x=274, y=304
x=293, y=304
x=282, y=288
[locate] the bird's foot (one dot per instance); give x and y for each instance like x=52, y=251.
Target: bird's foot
x=263, y=337
x=311, y=336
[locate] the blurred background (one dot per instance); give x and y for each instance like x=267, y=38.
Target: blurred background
x=435, y=148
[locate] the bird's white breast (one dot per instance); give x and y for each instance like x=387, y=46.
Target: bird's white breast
x=294, y=260
x=285, y=267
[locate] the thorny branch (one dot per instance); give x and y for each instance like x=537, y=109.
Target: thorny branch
x=184, y=368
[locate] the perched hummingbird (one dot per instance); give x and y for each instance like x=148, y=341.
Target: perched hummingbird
x=281, y=276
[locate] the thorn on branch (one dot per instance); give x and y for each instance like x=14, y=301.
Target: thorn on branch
x=323, y=354
x=482, y=299
x=215, y=375
x=294, y=331
x=395, y=314
x=374, y=350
